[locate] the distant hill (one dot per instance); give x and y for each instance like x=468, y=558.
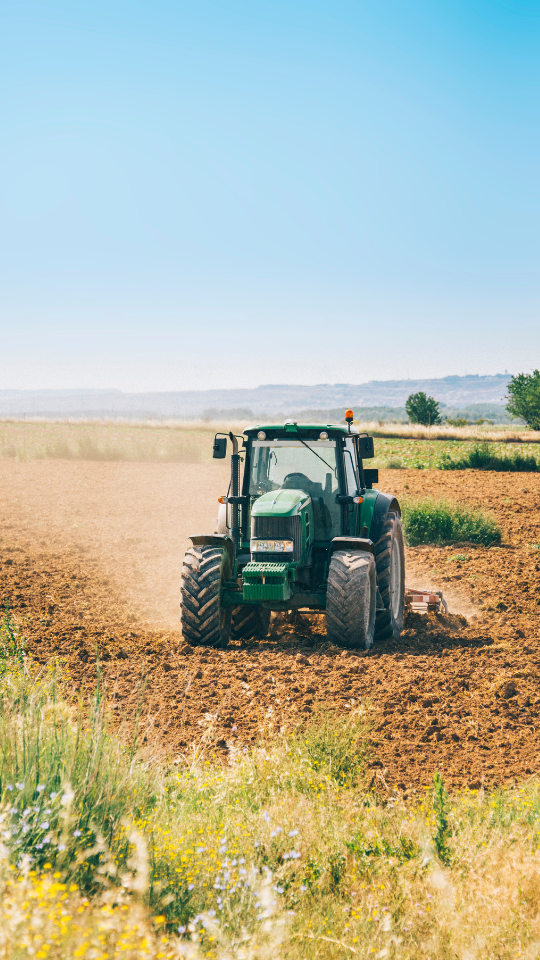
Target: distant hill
x=277, y=400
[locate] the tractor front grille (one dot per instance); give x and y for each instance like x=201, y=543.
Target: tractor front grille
x=278, y=528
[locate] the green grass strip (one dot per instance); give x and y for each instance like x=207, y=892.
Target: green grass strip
x=482, y=457
x=437, y=521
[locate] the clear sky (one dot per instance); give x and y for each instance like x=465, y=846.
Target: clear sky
x=235, y=192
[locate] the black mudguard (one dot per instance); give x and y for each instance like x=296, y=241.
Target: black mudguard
x=215, y=540
x=383, y=504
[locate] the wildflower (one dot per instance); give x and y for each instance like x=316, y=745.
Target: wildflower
x=45, y=825
x=181, y=929
x=293, y=833
x=20, y=786
x=191, y=886
x=40, y=787
x=61, y=846
x=53, y=795
x=9, y=786
x=77, y=833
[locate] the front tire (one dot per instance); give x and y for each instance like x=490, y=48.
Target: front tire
x=205, y=623
x=390, y=559
x=350, y=599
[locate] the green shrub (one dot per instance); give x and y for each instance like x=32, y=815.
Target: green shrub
x=481, y=457
x=437, y=521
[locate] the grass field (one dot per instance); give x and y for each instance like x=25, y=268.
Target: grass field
x=286, y=852
x=192, y=442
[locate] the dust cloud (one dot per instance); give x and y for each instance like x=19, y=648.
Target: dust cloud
x=132, y=520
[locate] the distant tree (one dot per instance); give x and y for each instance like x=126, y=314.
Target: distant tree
x=422, y=409
x=524, y=398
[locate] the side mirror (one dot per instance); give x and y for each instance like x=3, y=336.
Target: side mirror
x=220, y=448
x=365, y=448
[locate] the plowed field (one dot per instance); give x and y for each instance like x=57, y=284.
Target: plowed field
x=90, y=561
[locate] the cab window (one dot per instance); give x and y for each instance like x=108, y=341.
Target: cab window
x=350, y=467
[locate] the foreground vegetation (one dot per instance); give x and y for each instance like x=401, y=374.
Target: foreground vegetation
x=296, y=849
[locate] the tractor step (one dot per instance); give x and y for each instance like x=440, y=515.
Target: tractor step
x=422, y=600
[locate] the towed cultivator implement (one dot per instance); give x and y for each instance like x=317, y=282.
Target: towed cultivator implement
x=421, y=601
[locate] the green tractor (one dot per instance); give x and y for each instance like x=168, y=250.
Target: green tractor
x=303, y=529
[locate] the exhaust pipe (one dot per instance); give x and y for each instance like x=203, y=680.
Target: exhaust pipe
x=235, y=491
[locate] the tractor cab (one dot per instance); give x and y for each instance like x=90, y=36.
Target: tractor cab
x=291, y=468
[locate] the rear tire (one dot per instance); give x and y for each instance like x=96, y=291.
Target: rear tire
x=205, y=623
x=390, y=559
x=248, y=622
x=350, y=599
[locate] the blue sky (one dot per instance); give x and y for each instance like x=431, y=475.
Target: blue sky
x=234, y=193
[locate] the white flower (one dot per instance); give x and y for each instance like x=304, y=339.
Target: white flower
x=20, y=786
x=77, y=833
x=39, y=788
x=45, y=825
x=293, y=833
x=191, y=886
x=181, y=929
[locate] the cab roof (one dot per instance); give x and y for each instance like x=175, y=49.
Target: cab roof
x=290, y=429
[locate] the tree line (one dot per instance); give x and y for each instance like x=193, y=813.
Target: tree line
x=523, y=403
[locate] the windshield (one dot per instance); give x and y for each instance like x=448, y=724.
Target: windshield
x=309, y=466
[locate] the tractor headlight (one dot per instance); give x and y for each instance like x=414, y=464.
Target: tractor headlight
x=323, y=435
x=261, y=435
x=272, y=546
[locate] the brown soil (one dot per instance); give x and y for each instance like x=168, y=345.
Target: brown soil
x=90, y=560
